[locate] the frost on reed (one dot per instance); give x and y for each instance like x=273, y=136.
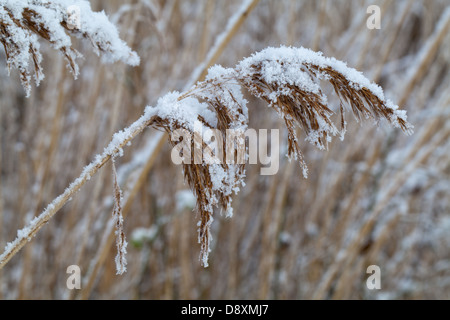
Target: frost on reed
x=23, y=22
x=289, y=79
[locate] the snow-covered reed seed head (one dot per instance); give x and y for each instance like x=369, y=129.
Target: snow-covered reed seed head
x=289, y=80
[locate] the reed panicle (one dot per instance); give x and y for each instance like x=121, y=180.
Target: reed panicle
x=23, y=23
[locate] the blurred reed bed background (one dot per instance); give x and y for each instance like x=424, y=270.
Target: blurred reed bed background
x=377, y=198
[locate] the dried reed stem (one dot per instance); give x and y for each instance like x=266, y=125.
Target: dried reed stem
x=223, y=39
x=426, y=56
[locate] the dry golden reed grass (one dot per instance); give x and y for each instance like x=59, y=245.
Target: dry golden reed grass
x=299, y=106
x=270, y=234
